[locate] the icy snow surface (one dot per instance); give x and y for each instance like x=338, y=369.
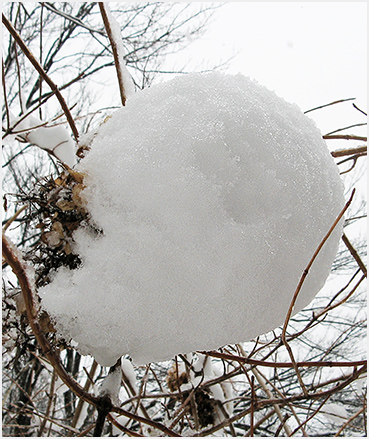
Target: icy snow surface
x=213, y=194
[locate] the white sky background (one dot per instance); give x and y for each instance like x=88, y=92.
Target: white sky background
x=310, y=53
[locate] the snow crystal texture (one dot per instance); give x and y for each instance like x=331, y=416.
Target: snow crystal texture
x=213, y=194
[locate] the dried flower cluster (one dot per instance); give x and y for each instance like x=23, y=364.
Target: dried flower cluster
x=57, y=207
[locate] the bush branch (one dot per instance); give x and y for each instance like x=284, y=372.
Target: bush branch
x=43, y=75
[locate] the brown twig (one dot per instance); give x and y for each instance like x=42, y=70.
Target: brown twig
x=50, y=400
x=283, y=401
x=86, y=388
x=11, y=219
x=354, y=159
x=354, y=416
x=327, y=105
x=262, y=382
x=42, y=73
x=277, y=364
x=345, y=137
x=150, y=422
x=346, y=128
x=114, y=46
x=121, y=427
x=332, y=305
x=358, y=109
x=299, y=286
x=316, y=411
x=354, y=254
x=351, y=151
x=252, y=407
x=5, y=99
x=15, y=260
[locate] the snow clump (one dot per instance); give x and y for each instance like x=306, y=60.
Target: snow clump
x=54, y=139
x=212, y=194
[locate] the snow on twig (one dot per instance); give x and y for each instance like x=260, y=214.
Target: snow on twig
x=351, y=151
x=113, y=31
x=56, y=140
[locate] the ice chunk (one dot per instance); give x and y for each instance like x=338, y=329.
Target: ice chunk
x=212, y=194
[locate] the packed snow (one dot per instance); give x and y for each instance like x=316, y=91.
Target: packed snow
x=54, y=139
x=213, y=194
x=111, y=384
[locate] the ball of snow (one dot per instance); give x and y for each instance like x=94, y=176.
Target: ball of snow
x=213, y=194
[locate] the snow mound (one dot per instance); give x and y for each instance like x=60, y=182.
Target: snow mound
x=213, y=194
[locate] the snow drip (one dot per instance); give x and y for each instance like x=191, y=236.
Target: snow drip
x=212, y=194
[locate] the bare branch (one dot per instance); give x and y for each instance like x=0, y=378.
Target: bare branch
x=43, y=74
x=331, y=103
x=351, y=151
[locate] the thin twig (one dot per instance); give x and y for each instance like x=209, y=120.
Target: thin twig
x=354, y=416
x=121, y=427
x=351, y=151
x=269, y=394
x=48, y=408
x=345, y=137
x=354, y=159
x=11, y=219
x=252, y=407
x=150, y=422
x=20, y=93
x=354, y=254
x=5, y=96
x=327, y=105
x=86, y=388
x=346, y=128
x=299, y=286
x=15, y=260
x=274, y=364
x=358, y=109
x=261, y=380
x=311, y=416
x=298, y=397
x=41, y=51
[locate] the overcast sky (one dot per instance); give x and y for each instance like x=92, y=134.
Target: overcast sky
x=310, y=53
